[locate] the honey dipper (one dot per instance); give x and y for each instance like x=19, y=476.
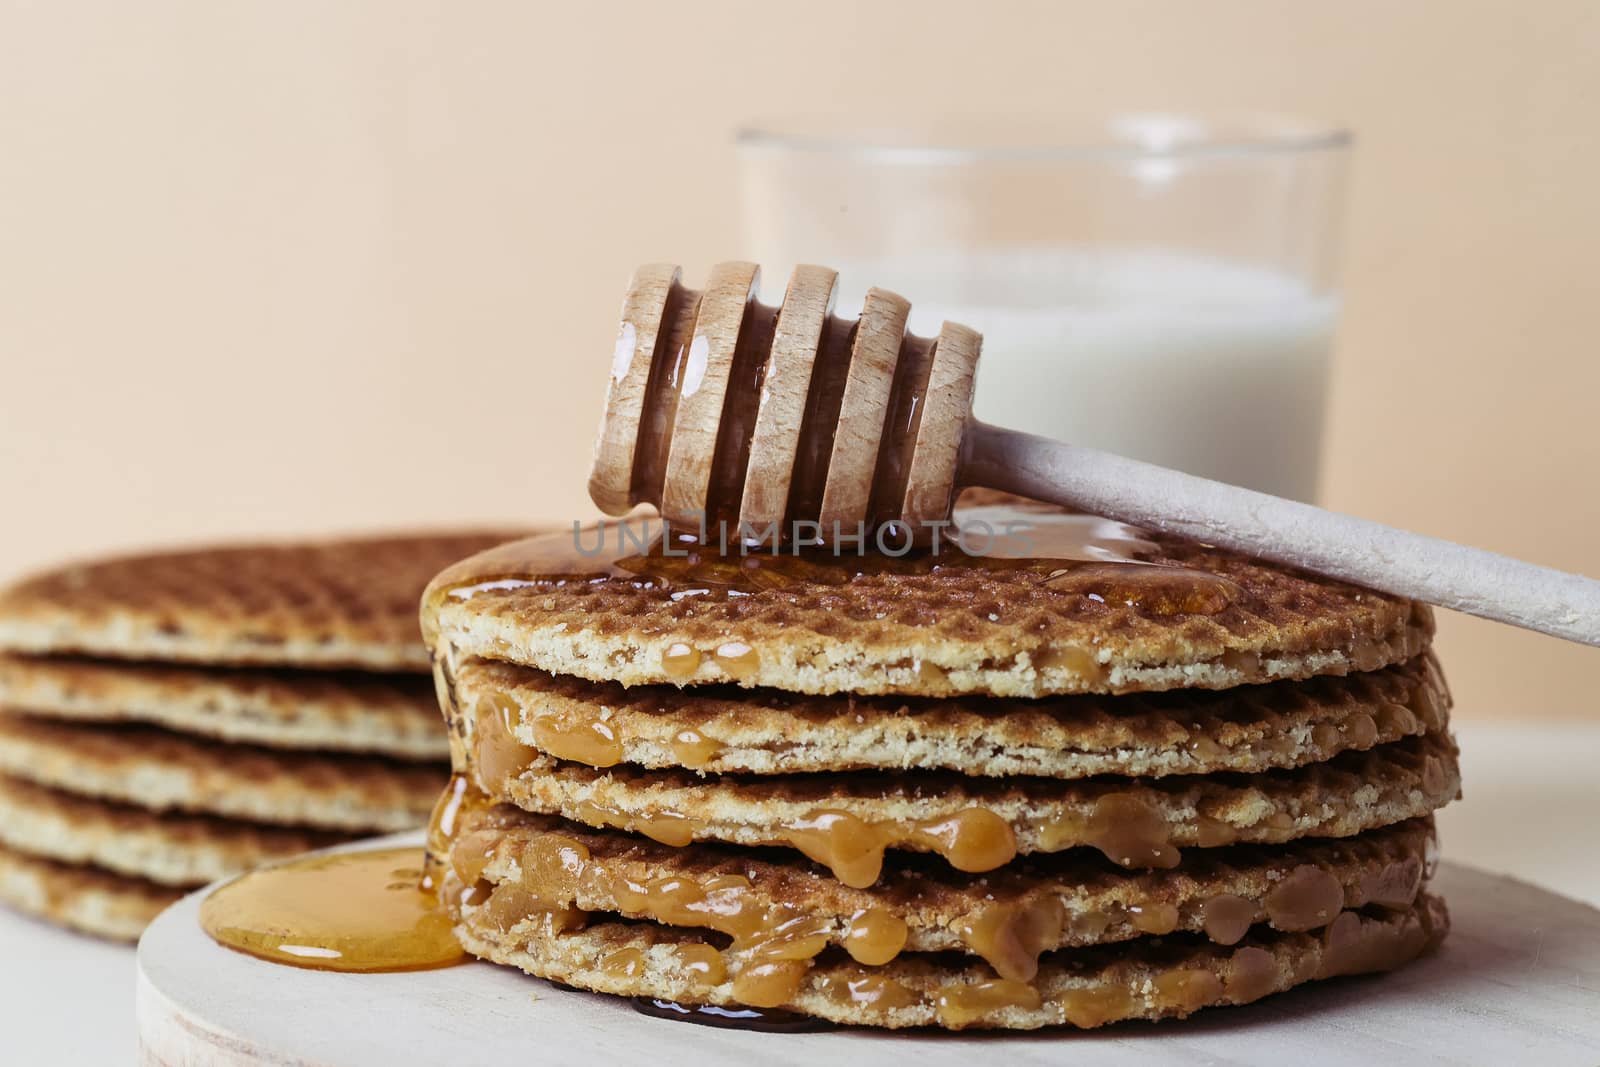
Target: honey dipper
x=719, y=405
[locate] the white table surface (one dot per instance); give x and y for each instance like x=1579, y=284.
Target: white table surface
x=1531, y=808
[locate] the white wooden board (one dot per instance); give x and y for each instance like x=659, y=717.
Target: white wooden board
x=1518, y=981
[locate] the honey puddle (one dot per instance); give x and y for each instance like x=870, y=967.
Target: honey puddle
x=348, y=911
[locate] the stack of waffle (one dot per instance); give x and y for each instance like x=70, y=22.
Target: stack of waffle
x=172, y=719
x=1108, y=776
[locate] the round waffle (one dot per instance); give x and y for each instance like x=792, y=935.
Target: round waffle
x=391, y=715
x=1008, y=917
x=847, y=821
x=1114, y=610
x=160, y=771
x=1146, y=979
x=316, y=604
x=169, y=849
x=82, y=898
x=764, y=731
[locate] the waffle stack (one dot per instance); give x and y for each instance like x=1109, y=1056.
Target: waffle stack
x=1112, y=776
x=173, y=719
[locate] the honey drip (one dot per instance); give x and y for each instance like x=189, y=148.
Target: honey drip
x=461, y=798
x=346, y=911
x=499, y=756
x=1308, y=898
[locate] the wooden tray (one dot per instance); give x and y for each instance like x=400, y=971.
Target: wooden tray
x=1518, y=981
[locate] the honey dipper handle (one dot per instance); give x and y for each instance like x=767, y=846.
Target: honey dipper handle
x=1300, y=535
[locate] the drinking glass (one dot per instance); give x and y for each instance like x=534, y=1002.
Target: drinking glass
x=1160, y=286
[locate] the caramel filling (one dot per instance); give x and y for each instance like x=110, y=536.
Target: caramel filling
x=592, y=741
x=1395, y=885
x=769, y=983
x=667, y=827
x=773, y=944
x=680, y=660
x=973, y=840
x=1184, y=991
x=1252, y=974
x=1096, y=1006
x=1308, y=898
x=693, y=749
x=1012, y=936
x=1351, y=946
x=1073, y=660
x=1154, y=918
x=703, y=964
x=867, y=990
x=1227, y=918
x=961, y=1005
x=1130, y=831
x=874, y=936
x=738, y=659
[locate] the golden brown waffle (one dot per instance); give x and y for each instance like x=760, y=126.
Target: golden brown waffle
x=81, y=898
x=383, y=714
x=162, y=771
x=722, y=729
x=170, y=849
x=1138, y=822
x=924, y=626
x=1061, y=901
x=326, y=604
x=1147, y=979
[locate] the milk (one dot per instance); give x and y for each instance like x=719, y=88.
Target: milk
x=1190, y=362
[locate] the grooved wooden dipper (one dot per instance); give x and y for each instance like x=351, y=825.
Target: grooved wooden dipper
x=721, y=406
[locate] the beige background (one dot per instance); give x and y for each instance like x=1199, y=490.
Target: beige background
x=271, y=267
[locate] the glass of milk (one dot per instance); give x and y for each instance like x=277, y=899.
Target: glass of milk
x=1158, y=286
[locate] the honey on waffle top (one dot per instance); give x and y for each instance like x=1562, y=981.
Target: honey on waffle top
x=1017, y=602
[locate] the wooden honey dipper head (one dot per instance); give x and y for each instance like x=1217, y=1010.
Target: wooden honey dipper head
x=723, y=410
x=721, y=407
